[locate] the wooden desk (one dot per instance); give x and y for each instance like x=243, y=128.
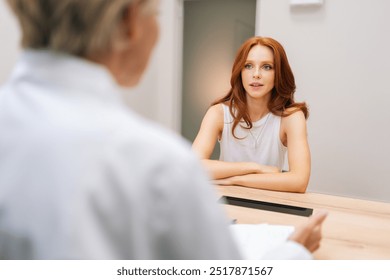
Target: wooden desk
x=354, y=228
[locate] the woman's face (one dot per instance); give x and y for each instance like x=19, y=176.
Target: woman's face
x=258, y=74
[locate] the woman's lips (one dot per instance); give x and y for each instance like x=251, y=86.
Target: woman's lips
x=255, y=85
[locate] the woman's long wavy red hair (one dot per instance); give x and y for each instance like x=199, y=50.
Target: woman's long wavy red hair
x=282, y=95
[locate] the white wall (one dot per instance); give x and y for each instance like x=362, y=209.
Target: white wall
x=9, y=46
x=340, y=54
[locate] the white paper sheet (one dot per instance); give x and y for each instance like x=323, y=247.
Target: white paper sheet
x=254, y=240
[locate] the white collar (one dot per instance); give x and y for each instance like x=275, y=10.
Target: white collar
x=70, y=72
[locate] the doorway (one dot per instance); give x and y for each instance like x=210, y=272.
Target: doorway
x=213, y=31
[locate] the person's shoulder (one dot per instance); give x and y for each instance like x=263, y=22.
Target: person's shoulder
x=293, y=114
x=215, y=113
x=292, y=119
x=155, y=153
x=214, y=118
x=216, y=109
x=138, y=133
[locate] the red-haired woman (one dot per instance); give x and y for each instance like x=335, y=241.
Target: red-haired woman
x=256, y=122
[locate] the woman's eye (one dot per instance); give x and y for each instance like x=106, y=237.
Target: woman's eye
x=267, y=67
x=248, y=66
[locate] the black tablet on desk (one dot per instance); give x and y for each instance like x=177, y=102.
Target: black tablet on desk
x=268, y=206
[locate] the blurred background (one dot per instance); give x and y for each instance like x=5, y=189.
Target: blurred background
x=338, y=50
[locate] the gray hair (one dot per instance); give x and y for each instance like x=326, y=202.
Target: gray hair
x=78, y=27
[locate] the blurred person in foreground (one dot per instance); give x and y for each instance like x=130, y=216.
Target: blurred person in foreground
x=83, y=177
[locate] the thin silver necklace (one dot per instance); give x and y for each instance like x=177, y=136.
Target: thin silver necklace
x=256, y=139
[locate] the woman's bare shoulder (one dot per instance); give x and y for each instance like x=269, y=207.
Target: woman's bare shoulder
x=292, y=120
x=293, y=114
x=215, y=111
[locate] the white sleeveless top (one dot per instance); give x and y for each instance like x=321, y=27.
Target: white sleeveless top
x=259, y=144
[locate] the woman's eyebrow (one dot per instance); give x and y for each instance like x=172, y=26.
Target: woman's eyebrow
x=262, y=62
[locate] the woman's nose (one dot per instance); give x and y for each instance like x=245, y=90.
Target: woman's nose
x=256, y=73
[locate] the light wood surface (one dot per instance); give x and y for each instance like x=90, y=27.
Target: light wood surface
x=354, y=228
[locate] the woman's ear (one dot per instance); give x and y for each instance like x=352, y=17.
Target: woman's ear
x=131, y=22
